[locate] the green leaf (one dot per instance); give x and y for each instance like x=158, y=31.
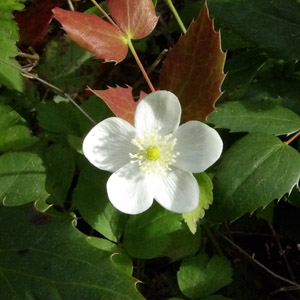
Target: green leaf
x=60, y=170
x=22, y=178
x=253, y=172
x=91, y=199
x=67, y=66
x=255, y=117
x=158, y=232
x=59, y=118
x=9, y=76
x=200, y=276
x=13, y=135
x=45, y=257
x=117, y=254
x=147, y=235
x=206, y=197
x=272, y=25
x=241, y=69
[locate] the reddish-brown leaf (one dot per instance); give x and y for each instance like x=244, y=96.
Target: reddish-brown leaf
x=135, y=17
x=33, y=22
x=93, y=34
x=193, y=70
x=120, y=101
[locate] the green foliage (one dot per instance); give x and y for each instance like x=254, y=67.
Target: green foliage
x=13, y=135
x=158, y=232
x=91, y=200
x=253, y=172
x=206, y=197
x=254, y=184
x=260, y=21
x=45, y=257
x=267, y=117
x=9, y=76
x=67, y=66
x=200, y=276
x=22, y=178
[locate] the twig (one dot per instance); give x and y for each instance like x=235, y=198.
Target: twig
x=58, y=90
x=212, y=239
x=71, y=5
x=260, y=264
x=292, y=275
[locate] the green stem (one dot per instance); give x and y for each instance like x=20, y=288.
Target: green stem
x=176, y=15
x=130, y=45
x=212, y=239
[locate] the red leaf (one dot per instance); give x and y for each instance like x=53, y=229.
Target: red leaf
x=33, y=22
x=93, y=34
x=193, y=69
x=135, y=17
x=120, y=101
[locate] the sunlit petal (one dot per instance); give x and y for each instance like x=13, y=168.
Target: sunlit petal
x=129, y=190
x=177, y=191
x=199, y=146
x=159, y=109
x=108, y=144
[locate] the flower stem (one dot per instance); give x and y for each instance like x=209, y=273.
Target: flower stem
x=176, y=15
x=105, y=14
x=130, y=45
x=292, y=138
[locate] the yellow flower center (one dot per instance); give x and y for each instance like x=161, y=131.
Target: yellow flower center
x=152, y=153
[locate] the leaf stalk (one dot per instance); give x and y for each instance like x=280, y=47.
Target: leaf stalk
x=293, y=137
x=176, y=15
x=130, y=45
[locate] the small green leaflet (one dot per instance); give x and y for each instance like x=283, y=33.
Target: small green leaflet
x=200, y=276
x=206, y=196
x=253, y=172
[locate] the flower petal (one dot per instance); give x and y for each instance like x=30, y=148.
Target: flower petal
x=108, y=144
x=199, y=146
x=178, y=191
x=158, y=109
x=129, y=189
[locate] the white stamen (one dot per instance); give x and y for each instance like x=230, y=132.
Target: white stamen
x=163, y=157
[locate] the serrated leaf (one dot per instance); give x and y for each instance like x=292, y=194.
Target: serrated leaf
x=22, y=178
x=45, y=257
x=272, y=25
x=200, y=276
x=206, y=197
x=34, y=21
x=193, y=69
x=9, y=76
x=120, y=101
x=255, y=117
x=67, y=66
x=136, y=18
x=93, y=34
x=90, y=198
x=253, y=172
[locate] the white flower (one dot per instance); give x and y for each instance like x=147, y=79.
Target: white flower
x=154, y=159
